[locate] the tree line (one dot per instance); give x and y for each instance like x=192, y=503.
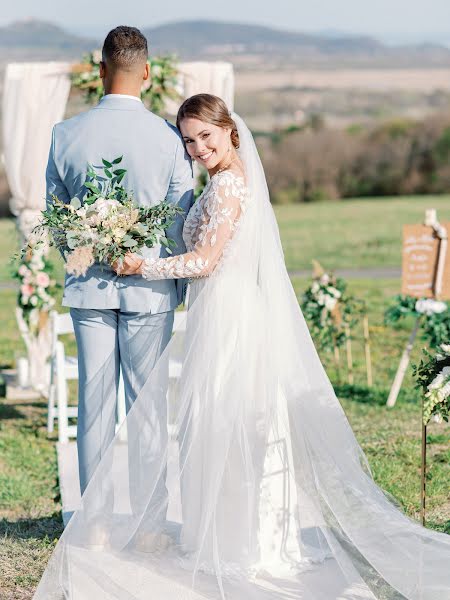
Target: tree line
x=315, y=162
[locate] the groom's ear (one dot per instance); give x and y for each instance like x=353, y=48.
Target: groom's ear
x=102, y=69
x=147, y=75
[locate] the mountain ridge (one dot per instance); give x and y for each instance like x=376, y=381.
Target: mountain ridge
x=212, y=40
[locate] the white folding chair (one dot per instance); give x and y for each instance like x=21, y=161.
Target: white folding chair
x=62, y=369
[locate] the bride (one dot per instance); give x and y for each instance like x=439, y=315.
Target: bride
x=266, y=492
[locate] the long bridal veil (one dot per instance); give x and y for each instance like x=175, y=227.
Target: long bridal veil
x=242, y=473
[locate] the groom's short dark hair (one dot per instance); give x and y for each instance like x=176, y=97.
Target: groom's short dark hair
x=125, y=47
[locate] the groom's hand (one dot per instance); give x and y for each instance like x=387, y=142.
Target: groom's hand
x=131, y=265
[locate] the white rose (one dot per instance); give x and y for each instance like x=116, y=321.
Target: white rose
x=437, y=382
x=330, y=302
x=321, y=298
x=33, y=301
x=429, y=306
x=325, y=279
x=336, y=293
x=315, y=287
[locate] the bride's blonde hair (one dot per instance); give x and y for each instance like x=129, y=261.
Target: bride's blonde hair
x=209, y=109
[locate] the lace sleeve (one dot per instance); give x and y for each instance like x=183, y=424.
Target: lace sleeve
x=222, y=208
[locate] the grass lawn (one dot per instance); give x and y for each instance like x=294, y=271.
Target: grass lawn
x=352, y=233
x=346, y=234
x=30, y=521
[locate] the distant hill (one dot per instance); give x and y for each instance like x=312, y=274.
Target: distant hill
x=35, y=34
x=242, y=43
x=201, y=39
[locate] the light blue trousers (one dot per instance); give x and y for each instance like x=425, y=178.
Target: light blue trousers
x=108, y=341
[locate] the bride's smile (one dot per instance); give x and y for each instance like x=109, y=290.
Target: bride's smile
x=209, y=144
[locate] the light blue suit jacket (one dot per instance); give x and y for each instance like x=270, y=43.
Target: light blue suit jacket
x=158, y=168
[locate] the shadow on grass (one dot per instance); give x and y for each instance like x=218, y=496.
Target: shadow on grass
x=372, y=395
x=42, y=528
x=361, y=394
x=9, y=412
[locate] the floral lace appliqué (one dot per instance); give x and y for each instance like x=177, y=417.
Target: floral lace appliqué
x=208, y=229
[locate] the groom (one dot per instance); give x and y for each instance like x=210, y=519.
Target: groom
x=121, y=324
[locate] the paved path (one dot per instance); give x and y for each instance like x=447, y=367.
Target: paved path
x=369, y=273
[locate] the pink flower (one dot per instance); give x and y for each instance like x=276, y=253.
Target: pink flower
x=26, y=289
x=79, y=260
x=23, y=270
x=42, y=279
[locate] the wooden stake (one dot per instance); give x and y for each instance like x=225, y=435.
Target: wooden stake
x=404, y=361
x=367, y=350
x=423, y=488
x=337, y=360
x=348, y=346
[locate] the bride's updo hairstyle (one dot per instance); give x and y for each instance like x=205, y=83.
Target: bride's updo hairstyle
x=209, y=109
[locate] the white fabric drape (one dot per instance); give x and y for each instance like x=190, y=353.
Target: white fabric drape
x=34, y=99
x=205, y=78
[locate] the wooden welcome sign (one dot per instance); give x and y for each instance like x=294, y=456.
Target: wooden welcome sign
x=420, y=260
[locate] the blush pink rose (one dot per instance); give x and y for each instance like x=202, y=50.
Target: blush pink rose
x=42, y=279
x=26, y=289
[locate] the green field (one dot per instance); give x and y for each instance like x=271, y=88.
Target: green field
x=352, y=233
x=346, y=234
x=29, y=498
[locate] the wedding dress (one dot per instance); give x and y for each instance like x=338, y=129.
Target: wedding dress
x=257, y=484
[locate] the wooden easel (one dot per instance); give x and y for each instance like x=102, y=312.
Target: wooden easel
x=425, y=274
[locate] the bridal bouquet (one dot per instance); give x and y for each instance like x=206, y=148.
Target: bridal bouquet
x=433, y=376
x=107, y=223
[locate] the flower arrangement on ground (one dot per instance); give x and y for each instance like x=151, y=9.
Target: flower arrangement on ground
x=329, y=309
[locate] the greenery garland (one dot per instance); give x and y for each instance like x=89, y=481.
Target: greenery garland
x=435, y=317
x=160, y=87
x=37, y=287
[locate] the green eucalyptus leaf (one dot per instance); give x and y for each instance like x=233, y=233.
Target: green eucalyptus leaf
x=76, y=203
x=106, y=163
x=129, y=243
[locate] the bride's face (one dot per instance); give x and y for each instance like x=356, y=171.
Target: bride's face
x=208, y=144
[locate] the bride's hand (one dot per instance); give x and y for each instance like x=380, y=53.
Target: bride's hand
x=130, y=265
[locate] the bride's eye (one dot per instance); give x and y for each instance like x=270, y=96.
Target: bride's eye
x=205, y=135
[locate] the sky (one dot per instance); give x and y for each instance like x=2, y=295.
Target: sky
x=391, y=20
